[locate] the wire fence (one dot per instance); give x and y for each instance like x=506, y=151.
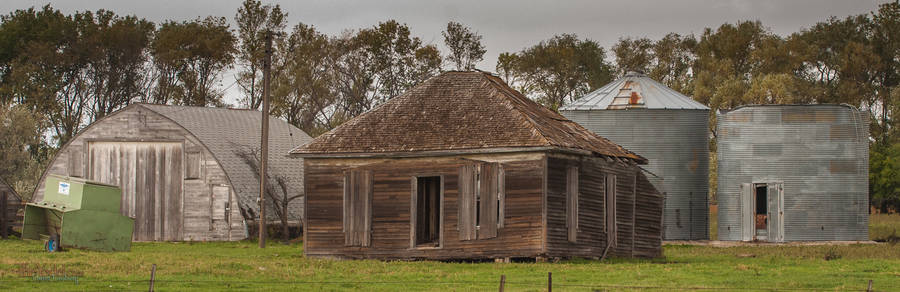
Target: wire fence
x=501, y=283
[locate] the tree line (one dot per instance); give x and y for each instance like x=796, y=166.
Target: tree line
x=59, y=73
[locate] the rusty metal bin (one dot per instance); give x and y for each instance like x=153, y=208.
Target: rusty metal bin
x=77, y=213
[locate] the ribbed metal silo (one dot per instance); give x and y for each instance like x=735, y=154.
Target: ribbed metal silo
x=819, y=156
x=668, y=128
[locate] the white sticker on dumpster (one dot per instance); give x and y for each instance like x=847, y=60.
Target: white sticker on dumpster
x=64, y=188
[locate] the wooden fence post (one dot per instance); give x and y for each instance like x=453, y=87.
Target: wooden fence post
x=152, y=277
x=502, y=282
x=870, y=287
x=549, y=281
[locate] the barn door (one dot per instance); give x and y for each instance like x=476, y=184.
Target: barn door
x=218, y=208
x=748, y=216
x=150, y=176
x=776, y=212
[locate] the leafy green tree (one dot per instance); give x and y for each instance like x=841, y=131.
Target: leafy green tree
x=45, y=67
x=838, y=60
x=253, y=21
x=506, y=67
x=561, y=69
x=116, y=66
x=465, y=46
x=375, y=64
x=22, y=151
x=674, y=56
x=633, y=55
x=724, y=61
x=191, y=56
x=886, y=45
x=884, y=176
x=777, y=88
x=396, y=56
x=304, y=90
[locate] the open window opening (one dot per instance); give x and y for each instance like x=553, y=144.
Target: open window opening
x=428, y=211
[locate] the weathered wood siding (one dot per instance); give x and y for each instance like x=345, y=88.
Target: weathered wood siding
x=520, y=235
x=12, y=208
x=203, y=214
x=638, y=236
x=149, y=174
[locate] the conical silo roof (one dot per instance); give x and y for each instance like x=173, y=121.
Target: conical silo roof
x=634, y=90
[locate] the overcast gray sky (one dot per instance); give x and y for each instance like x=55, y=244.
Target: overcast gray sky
x=505, y=25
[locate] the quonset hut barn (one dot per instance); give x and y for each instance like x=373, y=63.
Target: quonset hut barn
x=186, y=173
x=669, y=129
x=793, y=173
x=463, y=166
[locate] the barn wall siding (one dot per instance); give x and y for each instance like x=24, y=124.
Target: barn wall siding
x=638, y=210
x=14, y=208
x=521, y=234
x=137, y=125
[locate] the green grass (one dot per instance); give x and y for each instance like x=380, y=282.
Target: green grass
x=242, y=266
x=884, y=227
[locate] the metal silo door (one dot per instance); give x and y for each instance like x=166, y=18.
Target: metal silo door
x=748, y=216
x=776, y=212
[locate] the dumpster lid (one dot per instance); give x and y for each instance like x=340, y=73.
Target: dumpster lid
x=82, y=181
x=52, y=205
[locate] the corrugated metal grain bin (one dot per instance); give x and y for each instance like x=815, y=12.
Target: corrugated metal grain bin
x=668, y=128
x=793, y=173
x=79, y=214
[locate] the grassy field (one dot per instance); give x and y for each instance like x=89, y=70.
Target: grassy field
x=242, y=266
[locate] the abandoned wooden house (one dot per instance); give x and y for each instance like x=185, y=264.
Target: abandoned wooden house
x=187, y=173
x=11, y=213
x=462, y=167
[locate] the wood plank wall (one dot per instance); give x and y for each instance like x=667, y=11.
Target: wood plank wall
x=14, y=209
x=521, y=234
x=203, y=209
x=149, y=174
x=634, y=195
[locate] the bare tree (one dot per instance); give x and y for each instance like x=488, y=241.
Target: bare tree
x=280, y=196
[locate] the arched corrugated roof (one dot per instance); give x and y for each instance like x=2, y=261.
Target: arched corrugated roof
x=225, y=132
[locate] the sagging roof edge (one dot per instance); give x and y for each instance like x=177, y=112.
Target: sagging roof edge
x=440, y=153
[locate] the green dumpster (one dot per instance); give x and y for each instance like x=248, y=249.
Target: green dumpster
x=77, y=213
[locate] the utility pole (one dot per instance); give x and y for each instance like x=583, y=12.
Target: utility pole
x=264, y=144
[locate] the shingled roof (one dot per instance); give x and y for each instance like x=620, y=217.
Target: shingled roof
x=226, y=131
x=459, y=111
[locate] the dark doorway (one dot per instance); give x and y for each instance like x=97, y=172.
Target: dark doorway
x=762, y=206
x=428, y=211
